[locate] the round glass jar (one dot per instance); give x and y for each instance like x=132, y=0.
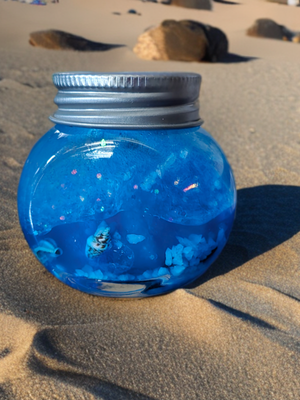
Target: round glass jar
x=126, y=196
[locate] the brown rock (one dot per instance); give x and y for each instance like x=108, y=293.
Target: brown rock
x=197, y=4
x=278, y=1
x=171, y=41
x=182, y=41
x=59, y=40
x=267, y=28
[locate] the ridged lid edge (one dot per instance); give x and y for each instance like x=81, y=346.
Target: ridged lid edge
x=124, y=80
x=125, y=100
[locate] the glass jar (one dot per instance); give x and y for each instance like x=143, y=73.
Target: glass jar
x=126, y=196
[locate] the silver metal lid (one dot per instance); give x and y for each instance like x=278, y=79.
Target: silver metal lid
x=127, y=100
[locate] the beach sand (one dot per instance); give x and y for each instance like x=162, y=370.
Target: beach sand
x=233, y=334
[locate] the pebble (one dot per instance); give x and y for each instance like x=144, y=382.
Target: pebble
x=134, y=239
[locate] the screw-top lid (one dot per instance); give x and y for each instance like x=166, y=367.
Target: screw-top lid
x=128, y=100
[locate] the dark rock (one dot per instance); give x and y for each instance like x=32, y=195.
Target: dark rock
x=217, y=46
x=267, y=28
x=182, y=41
x=197, y=4
x=226, y=2
x=286, y=2
x=59, y=40
x=132, y=11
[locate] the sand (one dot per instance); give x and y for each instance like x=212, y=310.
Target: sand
x=233, y=334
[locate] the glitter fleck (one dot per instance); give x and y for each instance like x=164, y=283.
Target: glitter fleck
x=193, y=186
x=53, y=206
x=99, y=176
x=156, y=191
x=103, y=142
x=135, y=187
x=74, y=172
x=98, y=199
x=62, y=218
x=102, y=208
x=81, y=198
x=35, y=233
x=62, y=185
x=176, y=182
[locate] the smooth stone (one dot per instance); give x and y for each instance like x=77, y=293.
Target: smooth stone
x=168, y=261
x=134, y=239
x=79, y=272
x=99, y=274
x=147, y=274
x=163, y=271
x=177, y=270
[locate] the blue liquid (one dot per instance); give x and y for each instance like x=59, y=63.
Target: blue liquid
x=126, y=213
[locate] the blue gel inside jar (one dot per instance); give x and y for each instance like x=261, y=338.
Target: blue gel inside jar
x=126, y=212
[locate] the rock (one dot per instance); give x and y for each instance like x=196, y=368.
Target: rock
x=286, y=2
x=182, y=41
x=177, y=270
x=171, y=41
x=296, y=38
x=168, y=260
x=197, y=4
x=267, y=28
x=278, y=1
x=134, y=239
x=59, y=40
x=217, y=41
x=131, y=11
x=163, y=271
